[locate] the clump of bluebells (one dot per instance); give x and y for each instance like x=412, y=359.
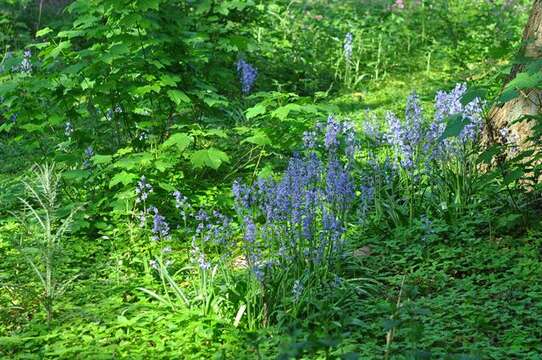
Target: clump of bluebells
x=416, y=142
x=296, y=223
x=422, y=153
x=247, y=75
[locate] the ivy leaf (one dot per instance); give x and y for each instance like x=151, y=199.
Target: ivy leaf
x=211, y=157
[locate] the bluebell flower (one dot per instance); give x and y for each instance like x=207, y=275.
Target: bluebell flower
x=68, y=129
x=247, y=75
x=89, y=153
x=347, y=46
x=25, y=66
x=333, y=129
x=297, y=290
x=160, y=228
x=143, y=189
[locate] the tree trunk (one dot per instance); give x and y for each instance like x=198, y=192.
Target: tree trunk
x=529, y=103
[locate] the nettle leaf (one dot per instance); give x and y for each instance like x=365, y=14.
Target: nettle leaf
x=211, y=157
x=454, y=125
x=123, y=178
x=178, y=97
x=180, y=140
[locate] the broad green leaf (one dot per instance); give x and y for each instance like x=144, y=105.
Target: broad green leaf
x=178, y=97
x=43, y=32
x=488, y=155
x=102, y=159
x=254, y=111
x=53, y=53
x=142, y=90
x=211, y=157
x=259, y=138
x=454, y=125
x=123, y=178
x=514, y=175
x=180, y=140
x=282, y=112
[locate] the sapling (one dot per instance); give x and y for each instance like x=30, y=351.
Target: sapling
x=44, y=229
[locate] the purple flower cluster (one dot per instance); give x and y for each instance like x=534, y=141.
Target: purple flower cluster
x=87, y=156
x=181, y=203
x=414, y=142
x=213, y=231
x=25, y=67
x=301, y=216
x=247, y=75
x=143, y=189
x=446, y=105
x=406, y=138
x=160, y=228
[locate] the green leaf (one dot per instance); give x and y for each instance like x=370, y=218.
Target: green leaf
x=282, y=112
x=454, y=125
x=259, y=138
x=102, y=159
x=180, y=140
x=54, y=52
x=123, y=178
x=523, y=80
x=488, y=155
x=472, y=94
x=514, y=175
x=254, y=111
x=178, y=97
x=43, y=32
x=211, y=157
x=142, y=90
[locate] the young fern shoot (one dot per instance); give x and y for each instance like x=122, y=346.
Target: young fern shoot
x=45, y=230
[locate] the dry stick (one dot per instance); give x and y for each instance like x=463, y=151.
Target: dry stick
x=391, y=332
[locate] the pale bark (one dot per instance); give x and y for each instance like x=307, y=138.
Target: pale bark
x=529, y=102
